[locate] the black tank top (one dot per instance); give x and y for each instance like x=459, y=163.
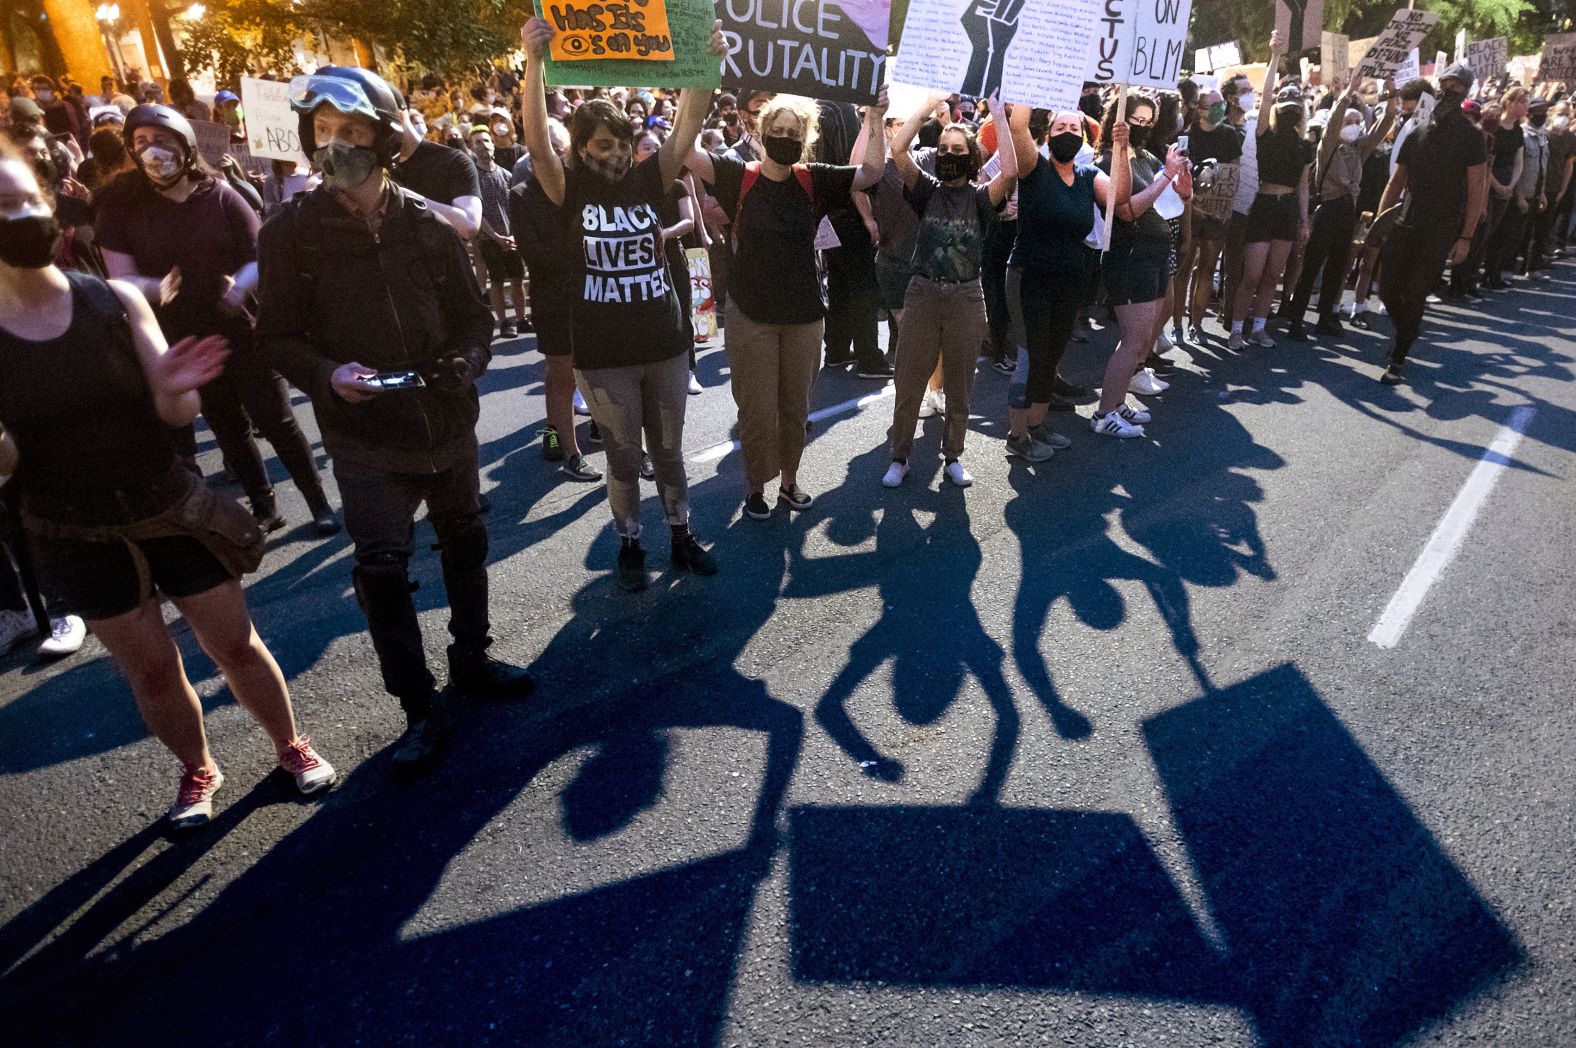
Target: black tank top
x=92, y=449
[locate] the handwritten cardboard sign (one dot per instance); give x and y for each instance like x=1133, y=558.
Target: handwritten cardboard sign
x=588, y=30
x=1559, y=58
x=1392, y=48
x=1215, y=200
x=1300, y=23
x=687, y=62
x=1335, y=59
x=1139, y=42
x=1032, y=51
x=836, y=51
x=272, y=128
x=213, y=140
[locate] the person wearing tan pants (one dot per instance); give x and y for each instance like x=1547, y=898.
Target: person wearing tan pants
x=773, y=367
x=945, y=321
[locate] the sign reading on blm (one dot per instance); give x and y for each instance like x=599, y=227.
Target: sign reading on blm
x=635, y=29
x=1139, y=42
x=829, y=49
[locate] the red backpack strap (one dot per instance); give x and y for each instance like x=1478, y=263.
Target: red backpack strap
x=752, y=174
x=802, y=173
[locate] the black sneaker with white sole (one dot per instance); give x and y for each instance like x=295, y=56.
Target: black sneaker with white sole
x=755, y=506
x=575, y=467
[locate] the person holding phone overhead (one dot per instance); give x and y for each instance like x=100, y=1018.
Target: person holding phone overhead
x=361, y=284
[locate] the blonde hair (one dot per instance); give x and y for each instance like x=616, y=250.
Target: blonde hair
x=1515, y=94
x=805, y=112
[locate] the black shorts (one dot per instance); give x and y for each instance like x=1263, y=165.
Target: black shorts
x=98, y=580
x=893, y=277
x=1135, y=275
x=502, y=265
x=1272, y=218
x=551, y=321
x=1206, y=228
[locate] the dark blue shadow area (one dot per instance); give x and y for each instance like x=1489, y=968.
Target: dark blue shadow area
x=1342, y=921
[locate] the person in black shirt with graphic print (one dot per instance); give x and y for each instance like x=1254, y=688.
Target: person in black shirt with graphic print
x=776, y=311
x=629, y=337
x=1443, y=170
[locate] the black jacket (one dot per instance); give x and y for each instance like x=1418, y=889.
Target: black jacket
x=330, y=293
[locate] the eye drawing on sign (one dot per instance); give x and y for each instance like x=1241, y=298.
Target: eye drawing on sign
x=990, y=26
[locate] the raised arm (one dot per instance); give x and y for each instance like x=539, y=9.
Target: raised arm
x=1002, y=185
x=548, y=169
x=903, y=141
x=1022, y=142
x=1267, y=96
x=870, y=168
x=691, y=114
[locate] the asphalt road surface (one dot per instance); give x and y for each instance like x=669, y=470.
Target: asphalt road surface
x=1097, y=752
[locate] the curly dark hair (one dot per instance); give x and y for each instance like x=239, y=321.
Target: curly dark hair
x=1134, y=101
x=593, y=114
x=969, y=137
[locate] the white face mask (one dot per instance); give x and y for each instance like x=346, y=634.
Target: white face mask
x=162, y=165
x=1560, y=123
x=1351, y=132
x=1246, y=102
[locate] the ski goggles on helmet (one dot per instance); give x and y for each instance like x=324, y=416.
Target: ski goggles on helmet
x=309, y=92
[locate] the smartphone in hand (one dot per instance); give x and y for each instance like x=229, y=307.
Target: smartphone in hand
x=388, y=381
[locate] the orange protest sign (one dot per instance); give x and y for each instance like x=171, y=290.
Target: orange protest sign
x=627, y=29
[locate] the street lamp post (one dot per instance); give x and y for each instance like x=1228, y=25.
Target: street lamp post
x=108, y=16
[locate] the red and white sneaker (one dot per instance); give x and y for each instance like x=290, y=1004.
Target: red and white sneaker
x=311, y=772
x=194, y=800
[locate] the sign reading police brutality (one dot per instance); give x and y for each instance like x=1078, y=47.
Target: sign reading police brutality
x=686, y=63
x=828, y=49
x=636, y=29
x=1032, y=51
x=272, y=128
x=1139, y=42
x=1394, y=46
x=1487, y=58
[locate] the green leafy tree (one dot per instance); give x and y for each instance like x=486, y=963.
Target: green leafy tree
x=244, y=37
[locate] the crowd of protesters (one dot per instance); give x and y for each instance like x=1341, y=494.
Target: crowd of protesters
x=141, y=285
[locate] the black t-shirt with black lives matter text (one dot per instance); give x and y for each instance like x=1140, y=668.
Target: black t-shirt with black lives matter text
x=626, y=310
x=438, y=173
x=773, y=278
x=1436, y=157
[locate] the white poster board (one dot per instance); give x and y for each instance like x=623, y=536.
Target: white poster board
x=1409, y=70
x=1335, y=59
x=1034, y=54
x=1397, y=45
x=1217, y=56
x=1487, y=58
x=272, y=129
x=1139, y=42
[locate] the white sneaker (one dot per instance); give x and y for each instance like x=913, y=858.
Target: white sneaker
x=1137, y=416
x=1112, y=424
x=66, y=635
x=1236, y=341
x=927, y=407
x=194, y=800
x=311, y=772
x=895, y=474
x=1146, y=383
x=694, y=385
x=15, y=627
x=581, y=407
x=957, y=474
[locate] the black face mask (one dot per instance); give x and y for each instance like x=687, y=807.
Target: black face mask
x=784, y=149
x=31, y=242
x=1538, y=119
x=953, y=166
x=1065, y=146
x=1137, y=135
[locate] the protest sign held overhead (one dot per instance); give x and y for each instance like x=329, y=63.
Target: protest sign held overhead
x=1409, y=70
x=828, y=49
x=1299, y=23
x=587, y=30
x=1334, y=59
x=1139, y=42
x=1217, y=56
x=272, y=128
x=1398, y=43
x=629, y=56
x=1032, y=51
x=1559, y=58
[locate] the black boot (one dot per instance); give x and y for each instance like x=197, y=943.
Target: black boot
x=689, y=555
x=266, y=512
x=419, y=749
x=631, y=566
x=324, y=522
x=474, y=672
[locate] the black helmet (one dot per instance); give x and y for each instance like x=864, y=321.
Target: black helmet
x=161, y=116
x=351, y=89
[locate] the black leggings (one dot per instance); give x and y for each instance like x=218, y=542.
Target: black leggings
x=1048, y=305
x=999, y=239
x=251, y=393
x=1409, y=267
x=1329, y=249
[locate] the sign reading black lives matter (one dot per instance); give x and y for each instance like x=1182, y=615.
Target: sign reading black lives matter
x=827, y=49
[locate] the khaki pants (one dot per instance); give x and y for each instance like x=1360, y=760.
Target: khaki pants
x=774, y=367
x=945, y=321
x=647, y=399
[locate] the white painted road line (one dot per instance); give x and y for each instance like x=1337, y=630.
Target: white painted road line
x=1451, y=532
x=717, y=451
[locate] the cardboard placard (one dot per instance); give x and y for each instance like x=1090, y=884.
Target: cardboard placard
x=690, y=63
x=1299, y=22
x=835, y=50
x=1392, y=48
x=1559, y=58
x=1216, y=199
x=703, y=300
x=1335, y=59
x=1139, y=42
x=1034, y=54
x=272, y=129
x=213, y=140
x=592, y=29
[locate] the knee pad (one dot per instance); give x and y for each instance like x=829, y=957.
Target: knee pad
x=464, y=545
x=382, y=584
x=1018, y=390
